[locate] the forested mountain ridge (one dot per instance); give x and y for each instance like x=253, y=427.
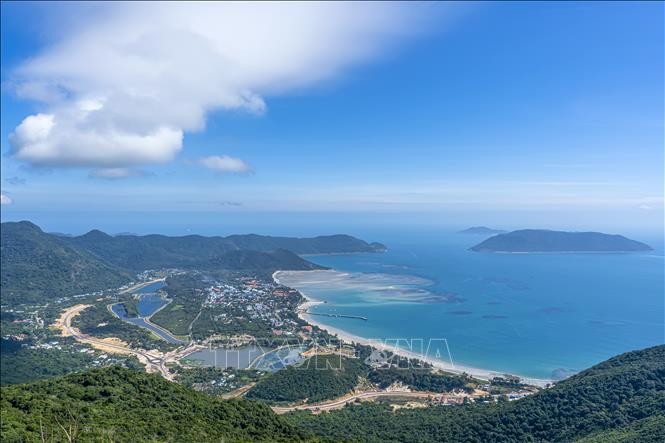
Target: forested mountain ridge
x=34, y=262
x=619, y=400
x=157, y=251
x=264, y=261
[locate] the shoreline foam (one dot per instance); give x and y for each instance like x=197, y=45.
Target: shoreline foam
x=345, y=336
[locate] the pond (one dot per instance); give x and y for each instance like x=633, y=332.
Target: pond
x=238, y=358
x=280, y=358
x=149, y=302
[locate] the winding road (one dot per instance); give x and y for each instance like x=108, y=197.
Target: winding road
x=154, y=362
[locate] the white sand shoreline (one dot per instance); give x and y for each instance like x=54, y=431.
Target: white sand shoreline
x=484, y=374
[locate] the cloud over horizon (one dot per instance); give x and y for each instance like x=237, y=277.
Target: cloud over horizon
x=122, y=88
x=225, y=163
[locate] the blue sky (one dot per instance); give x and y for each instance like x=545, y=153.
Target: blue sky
x=506, y=114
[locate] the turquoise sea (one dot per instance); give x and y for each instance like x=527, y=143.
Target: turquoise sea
x=536, y=315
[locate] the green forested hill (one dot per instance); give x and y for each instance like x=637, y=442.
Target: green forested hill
x=34, y=264
x=622, y=399
x=195, y=251
x=263, y=261
x=122, y=405
x=315, y=379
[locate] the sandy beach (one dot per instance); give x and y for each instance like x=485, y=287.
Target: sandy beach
x=483, y=374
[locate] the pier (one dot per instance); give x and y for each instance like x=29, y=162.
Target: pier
x=359, y=317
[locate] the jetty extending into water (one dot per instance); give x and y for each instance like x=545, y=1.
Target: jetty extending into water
x=359, y=317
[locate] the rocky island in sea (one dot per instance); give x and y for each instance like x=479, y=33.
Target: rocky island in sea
x=481, y=230
x=538, y=240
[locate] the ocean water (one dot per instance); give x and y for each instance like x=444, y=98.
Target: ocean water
x=536, y=315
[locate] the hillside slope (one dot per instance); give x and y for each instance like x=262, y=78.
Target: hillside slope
x=623, y=396
x=263, y=261
x=116, y=404
x=619, y=400
x=34, y=263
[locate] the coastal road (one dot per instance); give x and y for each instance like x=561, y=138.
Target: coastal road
x=341, y=402
x=156, y=363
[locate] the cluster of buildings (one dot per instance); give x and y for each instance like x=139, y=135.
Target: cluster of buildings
x=255, y=300
x=152, y=274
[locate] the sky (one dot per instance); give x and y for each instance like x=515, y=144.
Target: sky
x=321, y=117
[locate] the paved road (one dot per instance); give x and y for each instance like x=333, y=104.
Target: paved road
x=240, y=392
x=339, y=403
x=156, y=362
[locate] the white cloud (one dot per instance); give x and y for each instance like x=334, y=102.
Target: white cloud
x=5, y=200
x=225, y=163
x=123, y=88
x=117, y=173
x=47, y=140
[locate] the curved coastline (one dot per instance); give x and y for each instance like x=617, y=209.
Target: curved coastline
x=345, y=336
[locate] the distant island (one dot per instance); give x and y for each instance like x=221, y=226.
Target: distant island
x=538, y=240
x=481, y=230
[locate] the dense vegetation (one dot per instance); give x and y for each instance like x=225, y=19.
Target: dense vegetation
x=420, y=379
x=194, y=251
x=539, y=240
x=642, y=431
x=267, y=262
x=620, y=400
x=185, y=291
x=23, y=363
x=35, y=264
x=624, y=396
x=315, y=379
x=116, y=404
